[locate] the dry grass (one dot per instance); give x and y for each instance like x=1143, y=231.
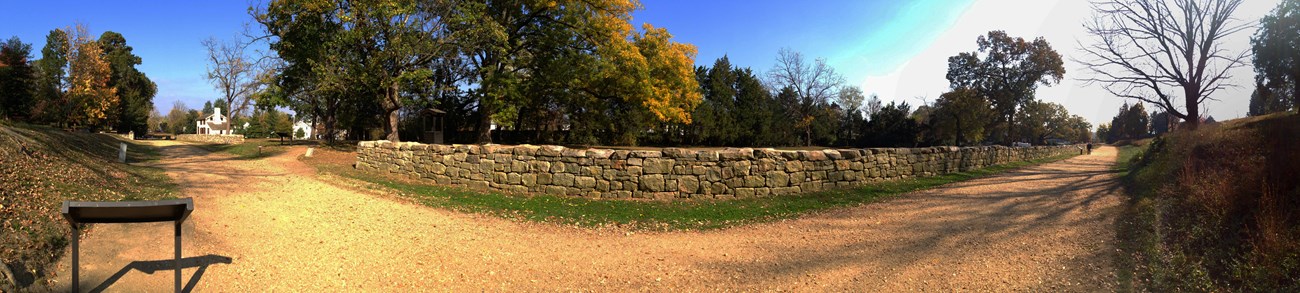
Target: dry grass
x=40, y=167
x=1219, y=209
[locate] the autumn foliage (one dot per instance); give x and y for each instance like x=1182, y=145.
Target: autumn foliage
x=88, y=77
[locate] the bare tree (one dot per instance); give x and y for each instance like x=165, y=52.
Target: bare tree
x=234, y=73
x=1150, y=49
x=813, y=83
x=873, y=105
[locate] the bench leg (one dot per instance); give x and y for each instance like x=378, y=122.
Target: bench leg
x=178, y=256
x=76, y=237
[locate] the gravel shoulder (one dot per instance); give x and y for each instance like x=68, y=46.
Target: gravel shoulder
x=273, y=225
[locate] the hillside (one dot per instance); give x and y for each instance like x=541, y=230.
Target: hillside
x=1217, y=209
x=39, y=168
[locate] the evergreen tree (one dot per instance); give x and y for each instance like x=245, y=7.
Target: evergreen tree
x=134, y=89
x=52, y=79
x=16, y=76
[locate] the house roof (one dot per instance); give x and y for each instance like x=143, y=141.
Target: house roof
x=218, y=125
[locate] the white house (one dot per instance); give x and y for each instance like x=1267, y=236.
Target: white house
x=304, y=127
x=214, y=124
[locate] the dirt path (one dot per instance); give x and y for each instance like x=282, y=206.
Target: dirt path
x=270, y=225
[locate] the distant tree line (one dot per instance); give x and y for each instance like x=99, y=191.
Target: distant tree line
x=79, y=82
x=577, y=72
x=262, y=121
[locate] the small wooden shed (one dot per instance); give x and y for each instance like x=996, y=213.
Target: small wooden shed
x=431, y=125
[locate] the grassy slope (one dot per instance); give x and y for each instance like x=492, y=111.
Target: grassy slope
x=40, y=167
x=655, y=215
x=1214, y=210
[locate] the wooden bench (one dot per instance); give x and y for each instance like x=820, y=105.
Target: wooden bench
x=85, y=212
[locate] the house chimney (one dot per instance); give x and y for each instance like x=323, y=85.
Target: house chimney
x=216, y=110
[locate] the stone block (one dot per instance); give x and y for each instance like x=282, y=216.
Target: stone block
x=812, y=155
x=707, y=156
x=777, y=179
x=811, y=186
x=658, y=166
x=719, y=188
x=742, y=168
x=647, y=154
x=599, y=154
x=755, y=181
x=713, y=174
x=793, y=166
x=518, y=166
x=562, y=179
x=653, y=183
x=555, y=190
x=678, y=153
x=744, y=192
x=585, y=182
x=528, y=179
x=688, y=184
x=550, y=151
x=573, y=153
x=477, y=184
x=736, y=154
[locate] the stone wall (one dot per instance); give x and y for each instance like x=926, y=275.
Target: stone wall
x=673, y=172
x=212, y=138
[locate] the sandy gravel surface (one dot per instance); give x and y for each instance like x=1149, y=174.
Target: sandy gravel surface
x=273, y=226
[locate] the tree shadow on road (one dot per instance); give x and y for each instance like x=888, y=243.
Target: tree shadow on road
x=960, y=218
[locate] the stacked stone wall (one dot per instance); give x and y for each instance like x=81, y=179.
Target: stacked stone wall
x=212, y=138
x=674, y=173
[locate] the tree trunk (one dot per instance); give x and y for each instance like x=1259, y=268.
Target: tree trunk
x=1193, y=111
x=485, y=110
x=1010, y=126
x=961, y=135
x=808, y=135
x=391, y=107
x=1295, y=91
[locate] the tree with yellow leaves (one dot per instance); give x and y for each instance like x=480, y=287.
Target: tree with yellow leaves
x=581, y=57
x=88, y=74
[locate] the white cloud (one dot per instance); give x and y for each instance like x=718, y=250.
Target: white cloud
x=1061, y=23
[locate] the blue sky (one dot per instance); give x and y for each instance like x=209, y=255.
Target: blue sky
x=897, y=49
x=165, y=34
x=858, y=37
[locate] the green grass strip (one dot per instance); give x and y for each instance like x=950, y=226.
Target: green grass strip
x=248, y=150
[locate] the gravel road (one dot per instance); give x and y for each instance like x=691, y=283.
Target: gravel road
x=273, y=225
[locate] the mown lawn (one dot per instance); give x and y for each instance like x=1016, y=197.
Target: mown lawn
x=253, y=149
x=641, y=214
